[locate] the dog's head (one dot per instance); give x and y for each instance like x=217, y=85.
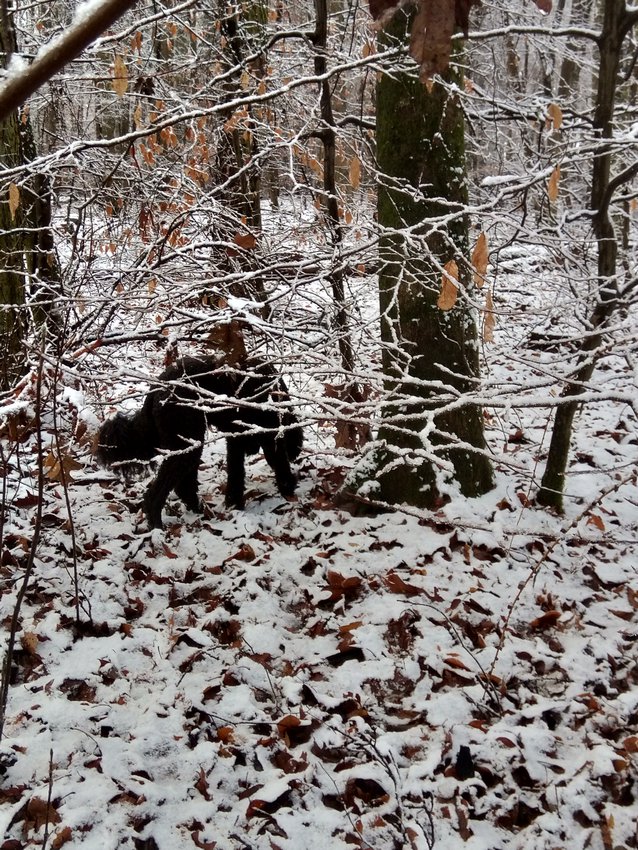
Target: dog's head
x=121, y=441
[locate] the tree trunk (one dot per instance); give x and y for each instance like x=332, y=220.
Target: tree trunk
x=616, y=24
x=571, y=63
x=12, y=295
x=350, y=435
x=27, y=262
x=328, y=138
x=237, y=148
x=12, y=290
x=430, y=355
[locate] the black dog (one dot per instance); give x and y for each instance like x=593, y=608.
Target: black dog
x=193, y=393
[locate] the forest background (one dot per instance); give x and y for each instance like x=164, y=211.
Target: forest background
x=430, y=228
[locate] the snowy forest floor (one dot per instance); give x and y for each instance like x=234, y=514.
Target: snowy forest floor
x=292, y=675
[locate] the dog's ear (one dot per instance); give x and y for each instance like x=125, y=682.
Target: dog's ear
x=102, y=441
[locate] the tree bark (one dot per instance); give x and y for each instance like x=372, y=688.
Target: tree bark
x=350, y=435
x=570, y=66
x=12, y=290
x=616, y=24
x=430, y=355
x=27, y=261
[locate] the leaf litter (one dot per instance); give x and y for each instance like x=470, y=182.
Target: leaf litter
x=257, y=679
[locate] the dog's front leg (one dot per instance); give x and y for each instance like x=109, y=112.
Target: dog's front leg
x=168, y=476
x=186, y=488
x=159, y=488
x=177, y=472
x=157, y=494
x=235, y=464
x=277, y=458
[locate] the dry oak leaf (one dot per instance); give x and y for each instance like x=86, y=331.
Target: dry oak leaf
x=247, y=241
x=60, y=469
x=366, y=789
x=286, y=722
x=202, y=785
x=244, y=553
x=555, y=116
x=433, y=27
x=354, y=172
x=396, y=584
x=39, y=812
x=546, y=620
x=479, y=260
x=14, y=199
x=386, y=8
x=120, y=76
x=596, y=521
x=552, y=184
x=630, y=745
x=226, y=734
x=258, y=806
x=449, y=286
x=61, y=837
x=285, y=761
x=29, y=642
x=454, y=661
x=342, y=586
x=431, y=37
x=489, y=318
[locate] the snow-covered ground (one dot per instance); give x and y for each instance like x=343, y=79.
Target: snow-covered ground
x=291, y=675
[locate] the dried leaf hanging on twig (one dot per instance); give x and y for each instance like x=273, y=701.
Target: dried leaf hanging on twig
x=479, y=260
x=433, y=27
x=449, y=286
x=552, y=184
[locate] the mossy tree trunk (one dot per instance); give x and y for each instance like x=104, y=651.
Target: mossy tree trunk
x=430, y=355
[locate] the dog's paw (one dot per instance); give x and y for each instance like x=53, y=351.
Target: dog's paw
x=287, y=488
x=196, y=506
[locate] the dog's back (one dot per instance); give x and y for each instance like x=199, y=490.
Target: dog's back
x=193, y=386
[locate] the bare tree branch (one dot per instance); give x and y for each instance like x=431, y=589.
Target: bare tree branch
x=84, y=31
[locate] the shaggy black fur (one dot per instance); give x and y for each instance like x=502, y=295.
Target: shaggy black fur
x=193, y=393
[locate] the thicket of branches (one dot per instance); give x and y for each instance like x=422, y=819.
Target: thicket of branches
x=204, y=162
